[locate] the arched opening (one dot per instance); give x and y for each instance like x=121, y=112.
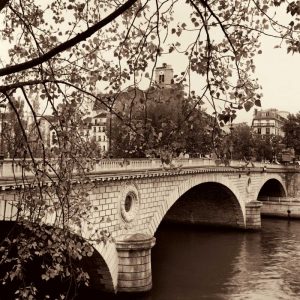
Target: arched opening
x=192, y=257
x=93, y=264
x=208, y=203
x=271, y=189
x=100, y=277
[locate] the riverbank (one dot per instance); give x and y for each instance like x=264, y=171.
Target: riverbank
x=281, y=209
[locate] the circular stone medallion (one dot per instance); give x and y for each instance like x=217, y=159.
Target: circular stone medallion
x=129, y=202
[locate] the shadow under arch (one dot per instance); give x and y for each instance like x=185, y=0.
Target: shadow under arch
x=99, y=272
x=186, y=185
x=208, y=203
x=101, y=278
x=272, y=187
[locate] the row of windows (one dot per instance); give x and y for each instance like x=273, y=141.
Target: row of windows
x=266, y=114
x=100, y=139
x=87, y=133
x=100, y=129
x=54, y=139
x=267, y=130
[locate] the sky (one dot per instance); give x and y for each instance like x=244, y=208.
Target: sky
x=278, y=74
x=276, y=71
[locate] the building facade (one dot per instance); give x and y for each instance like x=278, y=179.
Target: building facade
x=94, y=129
x=269, y=122
x=97, y=130
x=164, y=76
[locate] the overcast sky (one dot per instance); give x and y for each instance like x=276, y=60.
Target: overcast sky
x=279, y=75
x=276, y=71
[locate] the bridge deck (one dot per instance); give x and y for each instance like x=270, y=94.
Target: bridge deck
x=11, y=170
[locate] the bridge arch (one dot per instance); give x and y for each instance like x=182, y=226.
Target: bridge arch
x=218, y=180
x=102, y=266
x=272, y=186
x=101, y=269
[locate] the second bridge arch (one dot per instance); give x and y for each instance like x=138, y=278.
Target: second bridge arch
x=207, y=203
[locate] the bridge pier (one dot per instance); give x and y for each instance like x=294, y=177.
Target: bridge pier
x=134, y=252
x=253, y=218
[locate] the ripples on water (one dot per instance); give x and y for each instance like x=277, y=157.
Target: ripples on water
x=195, y=263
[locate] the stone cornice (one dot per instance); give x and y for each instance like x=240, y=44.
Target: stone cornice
x=12, y=184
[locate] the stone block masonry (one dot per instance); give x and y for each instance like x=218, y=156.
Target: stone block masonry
x=130, y=205
x=253, y=220
x=134, y=252
x=290, y=210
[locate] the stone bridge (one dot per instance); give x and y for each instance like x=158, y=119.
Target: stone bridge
x=134, y=196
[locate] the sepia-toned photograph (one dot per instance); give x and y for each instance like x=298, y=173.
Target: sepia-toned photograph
x=149, y=150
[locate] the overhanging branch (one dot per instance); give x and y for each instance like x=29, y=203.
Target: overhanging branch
x=68, y=44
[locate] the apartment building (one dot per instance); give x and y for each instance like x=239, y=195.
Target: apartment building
x=269, y=122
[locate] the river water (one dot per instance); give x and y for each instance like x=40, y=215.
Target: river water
x=191, y=263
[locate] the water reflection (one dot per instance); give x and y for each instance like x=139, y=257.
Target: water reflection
x=195, y=263
x=268, y=265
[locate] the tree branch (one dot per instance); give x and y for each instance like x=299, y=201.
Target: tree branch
x=68, y=44
x=206, y=5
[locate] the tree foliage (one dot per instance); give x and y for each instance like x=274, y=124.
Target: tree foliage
x=63, y=52
x=292, y=132
x=243, y=144
x=161, y=119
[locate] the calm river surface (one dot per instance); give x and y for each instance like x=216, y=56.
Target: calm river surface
x=198, y=263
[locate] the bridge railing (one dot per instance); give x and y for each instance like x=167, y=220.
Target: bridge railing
x=11, y=168
x=8, y=208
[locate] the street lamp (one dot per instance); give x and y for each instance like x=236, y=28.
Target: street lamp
x=231, y=140
x=110, y=129
x=2, y=111
x=111, y=104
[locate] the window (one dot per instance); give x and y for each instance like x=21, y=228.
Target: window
x=54, y=141
x=267, y=114
x=259, y=130
x=161, y=78
x=94, y=129
x=103, y=148
x=99, y=128
x=104, y=138
x=99, y=138
x=267, y=130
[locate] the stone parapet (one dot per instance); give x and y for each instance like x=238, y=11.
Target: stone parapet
x=289, y=210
